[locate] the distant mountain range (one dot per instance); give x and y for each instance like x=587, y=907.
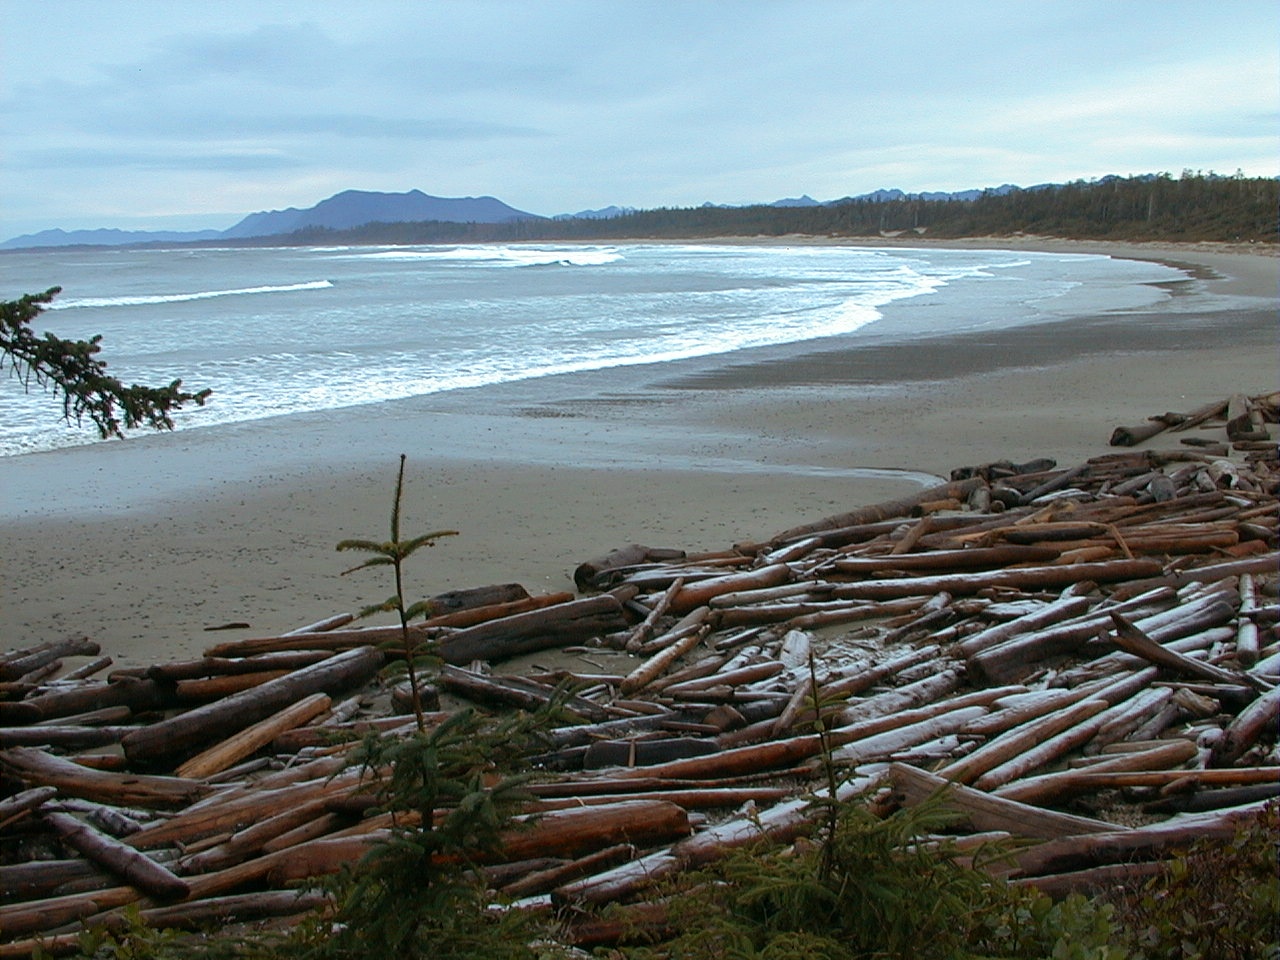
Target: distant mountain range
x=355, y=208
x=342, y=211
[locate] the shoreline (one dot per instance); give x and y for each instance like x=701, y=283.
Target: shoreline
x=240, y=525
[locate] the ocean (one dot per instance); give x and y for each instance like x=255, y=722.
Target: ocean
x=281, y=331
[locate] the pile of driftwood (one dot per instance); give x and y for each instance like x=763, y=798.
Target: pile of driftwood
x=1084, y=657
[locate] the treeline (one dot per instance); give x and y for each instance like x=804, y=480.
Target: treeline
x=1194, y=206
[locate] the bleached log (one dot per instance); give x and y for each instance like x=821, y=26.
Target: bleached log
x=1023, y=578
x=834, y=614
x=694, y=621
x=1021, y=708
x=781, y=823
x=1247, y=631
x=205, y=689
x=227, y=812
x=1059, y=886
x=1011, y=659
x=986, y=812
x=1055, y=787
x=884, y=745
x=106, y=716
x=1058, y=745
x=749, y=674
x=86, y=670
x=901, y=698
x=312, y=829
x=1241, y=421
x=1132, y=436
x=711, y=797
x=327, y=734
x=1198, y=416
x=238, y=908
x=695, y=595
x=745, y=598
x=1262, y=563
x=936, y=610
x=252, y=739
x=1186, y=637
x=790, y=553
x=733, y=762
x=1133, y=640
x=1056, y=612
x=875, y=721
x=802, y=699
x=644, y=630
x=473, y=598
x=577, y=736
x=39, y=879
x=183, y=734
x=1137, y=711
x=1227, y=776
x=571, y=832
x=546, y=880
x=249, y=841
x=973, y=558
x=1071, y=854
x=660, y=661
x=1249, y=726
x=868, y=678
x=917, y=530
x=20, y=919
x=1018, y=740
x=322, y=626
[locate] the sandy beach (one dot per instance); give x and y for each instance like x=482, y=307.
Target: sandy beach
x=144, y=544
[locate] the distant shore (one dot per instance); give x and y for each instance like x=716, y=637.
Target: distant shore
x=143, y=544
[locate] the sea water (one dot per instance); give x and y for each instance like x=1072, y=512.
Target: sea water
x=286, y=330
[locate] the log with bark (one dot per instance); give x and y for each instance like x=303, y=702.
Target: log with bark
x=183, y=734
x=39, y=768
x=131, y=866
x=555, y=626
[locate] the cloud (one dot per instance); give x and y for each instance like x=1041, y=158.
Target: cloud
x=106, y=159
x=566, y=104
x=341, y=125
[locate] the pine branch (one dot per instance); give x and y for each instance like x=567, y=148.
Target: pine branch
x=71, y=369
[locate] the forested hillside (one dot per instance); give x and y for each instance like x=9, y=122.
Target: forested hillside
x=1193, y=206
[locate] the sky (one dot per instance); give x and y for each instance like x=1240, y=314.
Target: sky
x=187, y=114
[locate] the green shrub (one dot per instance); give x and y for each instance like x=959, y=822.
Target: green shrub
x=1218, y=901
x=873, y=891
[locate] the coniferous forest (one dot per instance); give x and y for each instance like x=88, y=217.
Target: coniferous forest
x=1160, y=207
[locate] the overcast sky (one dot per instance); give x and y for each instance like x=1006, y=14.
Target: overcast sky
x=192, y=113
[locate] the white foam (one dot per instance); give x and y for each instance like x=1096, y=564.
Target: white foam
x=148, y=299
x=497, y=255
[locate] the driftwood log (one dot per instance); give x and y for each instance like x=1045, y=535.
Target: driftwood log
x=1024, y=638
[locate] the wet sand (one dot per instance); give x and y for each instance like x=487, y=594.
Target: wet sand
x=144, y=544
